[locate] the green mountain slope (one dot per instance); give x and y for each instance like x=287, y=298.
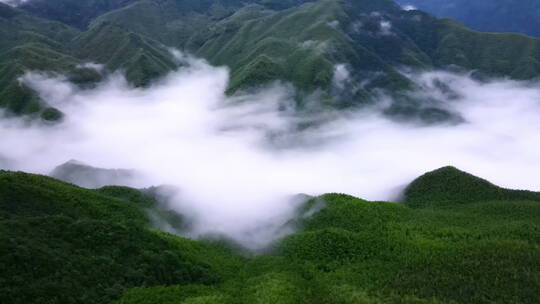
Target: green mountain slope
x=64, y=244
x=32, y=44
x=303, y=44
x=391, y=249
x=354, y=251
x=28, y=43
x=262, y=45
x=141, y=59
x=342, y=51
x=449, y=43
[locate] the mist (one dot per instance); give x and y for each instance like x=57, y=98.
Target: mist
x=13, y=2
x=238, y=160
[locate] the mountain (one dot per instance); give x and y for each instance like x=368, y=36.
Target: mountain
x=304, y=44
x=449, y=185
x=28, y=43
x=34, y=44
x=63, y=244
x=346, y=52
x=517, y=16
x=82, y=175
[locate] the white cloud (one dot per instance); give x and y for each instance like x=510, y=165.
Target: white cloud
x=409, y=7
x=333, y=24
x=356, y=26
x=386, y=27
x=236, y=160
x=308, y=44
x=13, y=2
x=92, y=66
x=341, y=75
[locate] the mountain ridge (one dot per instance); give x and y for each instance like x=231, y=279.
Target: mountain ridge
x=300, y=42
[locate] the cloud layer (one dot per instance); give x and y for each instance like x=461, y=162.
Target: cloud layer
x=13, y=2
x=238, y=159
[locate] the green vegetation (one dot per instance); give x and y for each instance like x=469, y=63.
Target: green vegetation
x=450, y=186
x=261, y=45
x=261, y=41
x=465, y=241
x=51, y=114
x=64, y=244
x=493, y=54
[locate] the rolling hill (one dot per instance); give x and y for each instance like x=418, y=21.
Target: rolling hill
x=65, y=244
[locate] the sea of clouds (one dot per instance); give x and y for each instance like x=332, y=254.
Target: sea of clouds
x=238, y=160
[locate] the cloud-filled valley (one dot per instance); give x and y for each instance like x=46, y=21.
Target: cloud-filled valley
x=237, y=160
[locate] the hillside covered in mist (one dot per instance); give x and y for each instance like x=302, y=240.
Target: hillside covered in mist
x=455, y=239
x=341, y=53
x=269, y=152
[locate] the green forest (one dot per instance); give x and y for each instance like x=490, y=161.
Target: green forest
x=455, y=238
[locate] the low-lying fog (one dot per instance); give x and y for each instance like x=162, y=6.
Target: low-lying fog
x=236, y=160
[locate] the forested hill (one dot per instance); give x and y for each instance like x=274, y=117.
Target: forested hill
x=301, y=42
x=446, y=244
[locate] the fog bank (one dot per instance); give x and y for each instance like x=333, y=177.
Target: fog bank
x=237, y=159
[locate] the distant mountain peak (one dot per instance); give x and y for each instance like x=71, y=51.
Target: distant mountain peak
x=449, y=185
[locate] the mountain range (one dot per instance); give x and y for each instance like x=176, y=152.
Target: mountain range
x=300, y=42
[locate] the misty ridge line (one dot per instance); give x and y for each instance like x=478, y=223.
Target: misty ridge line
x=238, y=160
